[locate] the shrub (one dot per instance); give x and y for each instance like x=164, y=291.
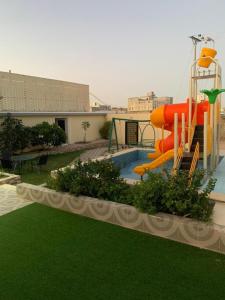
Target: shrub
x=99, y=179
x=185, y=197
x=148, y=195
x=14, y=136
x=104, y=131
x=46, y=134
x=179, y=195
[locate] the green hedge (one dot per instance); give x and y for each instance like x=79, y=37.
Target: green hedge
x=179, y=195
x=14, y=136
x=100, y=179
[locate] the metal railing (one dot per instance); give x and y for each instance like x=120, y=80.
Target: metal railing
x=194, y=160
x=178, y=160
x=192, y=128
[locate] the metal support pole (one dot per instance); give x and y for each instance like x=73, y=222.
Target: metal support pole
x=205, y=154
x=183, y=130
x=117, y=143
x=212, y=160
x=190, y=110
x=175, y=138
x=163, y=139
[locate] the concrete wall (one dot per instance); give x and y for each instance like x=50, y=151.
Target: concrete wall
x=22, y=93
x=75, y=131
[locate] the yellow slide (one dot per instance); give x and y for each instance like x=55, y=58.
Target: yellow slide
x=142, y=169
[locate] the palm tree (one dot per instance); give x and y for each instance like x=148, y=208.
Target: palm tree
x=85, y=125
x=212, y=94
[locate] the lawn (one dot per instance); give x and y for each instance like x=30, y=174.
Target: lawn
x=50, y=254
x=55, y=161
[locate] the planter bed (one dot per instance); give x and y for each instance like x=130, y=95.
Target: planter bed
x=180, y=229
x=7, y=178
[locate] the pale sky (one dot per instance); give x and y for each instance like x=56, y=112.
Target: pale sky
x=120, y=48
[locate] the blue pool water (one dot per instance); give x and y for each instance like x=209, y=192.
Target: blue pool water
x=128, y=161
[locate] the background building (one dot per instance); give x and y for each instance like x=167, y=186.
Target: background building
x=97, y=104
x=119, y=109
x=147, y=103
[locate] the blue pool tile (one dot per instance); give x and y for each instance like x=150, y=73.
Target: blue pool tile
x=128, y=161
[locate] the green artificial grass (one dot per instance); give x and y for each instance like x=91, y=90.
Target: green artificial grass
x=55, y=161
x=50, y=254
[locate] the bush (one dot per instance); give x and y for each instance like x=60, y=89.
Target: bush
x=14, y=136
x=104, y=131
x=185, y=197
x=46, y=134
x=179, y=195
x=148, y=195
x=99, y=179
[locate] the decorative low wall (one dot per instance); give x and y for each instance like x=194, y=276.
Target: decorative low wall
x=184, y=230
x=10, y=179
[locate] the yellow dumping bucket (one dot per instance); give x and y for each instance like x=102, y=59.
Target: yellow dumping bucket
x=205, y=61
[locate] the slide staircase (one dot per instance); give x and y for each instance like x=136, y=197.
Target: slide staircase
x=187, y=158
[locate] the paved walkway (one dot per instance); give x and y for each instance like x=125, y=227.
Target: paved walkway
x=91, y=154
x=9, y=200
x=78, y=146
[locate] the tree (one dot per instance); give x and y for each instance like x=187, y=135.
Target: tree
x=14, y=136
x=85, y=125
x=212, y=94
x=47, y=135
x=104, y=130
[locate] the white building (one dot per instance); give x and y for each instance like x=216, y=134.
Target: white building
x=147, y=103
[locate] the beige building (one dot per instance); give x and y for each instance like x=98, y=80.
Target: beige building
x=22, y=93
x=35, y=100
x=147, y=103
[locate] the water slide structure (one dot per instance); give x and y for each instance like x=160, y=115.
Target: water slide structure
x=163, y=118
x=192, y=128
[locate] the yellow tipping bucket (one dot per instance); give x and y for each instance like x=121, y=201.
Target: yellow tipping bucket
x=205, y=61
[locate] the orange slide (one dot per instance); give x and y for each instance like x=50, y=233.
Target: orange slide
x=164, y=116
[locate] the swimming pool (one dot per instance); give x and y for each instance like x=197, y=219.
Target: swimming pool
x=128, y=160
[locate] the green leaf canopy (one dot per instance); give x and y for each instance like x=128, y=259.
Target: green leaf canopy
x=212, y=94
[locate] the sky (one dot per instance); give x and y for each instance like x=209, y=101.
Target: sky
x=120, y=48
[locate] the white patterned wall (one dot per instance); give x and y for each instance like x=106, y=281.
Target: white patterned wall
x=22, y=93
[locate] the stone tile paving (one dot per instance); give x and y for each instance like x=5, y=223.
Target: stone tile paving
x=9, y=200
x=78, y=146
x=92, y=154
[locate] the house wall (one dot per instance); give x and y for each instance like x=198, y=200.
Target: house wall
x=75, y=131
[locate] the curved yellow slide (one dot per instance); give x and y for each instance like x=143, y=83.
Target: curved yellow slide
x=142, y=169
